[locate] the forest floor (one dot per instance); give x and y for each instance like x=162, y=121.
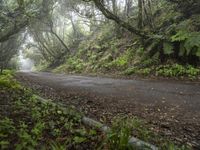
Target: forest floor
x=171, y=108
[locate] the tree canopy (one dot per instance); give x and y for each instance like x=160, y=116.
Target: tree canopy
x=58, y=27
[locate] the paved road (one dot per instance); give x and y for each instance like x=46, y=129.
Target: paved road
x=186, y=94
x=170, y=107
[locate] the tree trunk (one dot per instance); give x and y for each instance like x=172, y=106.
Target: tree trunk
x=120, y=22
x=13, y=29
x=140, y=14
x=127, y=9
x=1, y=68
x=114, y=7
x=61, y=41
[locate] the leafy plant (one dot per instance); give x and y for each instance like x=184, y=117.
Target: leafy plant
x=177, y=70
x=57, y=146
x=189, y=42
x=168, y=48
x=119, y=135
x=37, y=122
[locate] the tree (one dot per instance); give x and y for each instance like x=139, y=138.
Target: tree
x=10, y=48
x=187, y=7
x=128, y=7
x=16, y=17
x=140, y=14
x=108, y=14
x=145, y=14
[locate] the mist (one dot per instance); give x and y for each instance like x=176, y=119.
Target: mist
x=25, y=64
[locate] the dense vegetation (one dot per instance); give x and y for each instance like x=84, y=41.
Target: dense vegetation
x=109, y=36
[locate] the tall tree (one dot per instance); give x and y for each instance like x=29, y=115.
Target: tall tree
x=140, y=14
x=100, y=5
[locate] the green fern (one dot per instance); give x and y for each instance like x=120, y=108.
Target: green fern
x=198, y=52
x=180, y=36
x=168, y=48
x=193, y=42
x=182, y=49
x=189, y=43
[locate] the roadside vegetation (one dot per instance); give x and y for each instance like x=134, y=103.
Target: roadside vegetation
x=26, y=122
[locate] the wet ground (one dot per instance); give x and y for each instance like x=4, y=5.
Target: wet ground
x=172, y=108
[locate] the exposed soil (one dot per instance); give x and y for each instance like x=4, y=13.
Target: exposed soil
x=172, y=108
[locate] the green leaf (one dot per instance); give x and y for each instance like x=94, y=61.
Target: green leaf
x=198, y=52
x=4, y=144
x=78, y=139
x=168, y=48
x=59, y=112
x=182, y=50
x=92, y=132
x=180, y=36
x=192, y=42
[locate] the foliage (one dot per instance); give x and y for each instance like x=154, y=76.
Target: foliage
x=34, y=124
x=189, y=42
x=42, y=66
x=73, y=65
x=177, y=70
x=121, y=61
x=124, y=127
x=6, y=80
x=168, y=48
x=136, y=70
x=119, y=135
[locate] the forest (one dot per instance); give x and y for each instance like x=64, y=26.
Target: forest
x=100, y=74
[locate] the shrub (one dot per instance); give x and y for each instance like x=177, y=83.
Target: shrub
x=177, y=70
x=6, y=80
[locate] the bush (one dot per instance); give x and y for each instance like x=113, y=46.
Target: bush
x=119, y=135
x=6, y=80
x=177, y=70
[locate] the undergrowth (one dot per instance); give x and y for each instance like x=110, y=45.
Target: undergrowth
x=127, y=64
x=28, y=123
x=123, y=56
x=175, y=70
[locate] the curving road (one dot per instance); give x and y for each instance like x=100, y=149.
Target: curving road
x=186, y=94
x=170, y=107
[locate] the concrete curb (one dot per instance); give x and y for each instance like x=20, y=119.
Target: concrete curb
x=133, y=141
x=95, y=124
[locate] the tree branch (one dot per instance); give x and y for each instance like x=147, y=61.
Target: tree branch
x=122, y=23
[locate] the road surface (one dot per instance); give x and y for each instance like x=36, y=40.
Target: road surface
x=172, y=106
x=185, y=94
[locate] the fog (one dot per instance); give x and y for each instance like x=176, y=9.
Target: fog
x=26, y=64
